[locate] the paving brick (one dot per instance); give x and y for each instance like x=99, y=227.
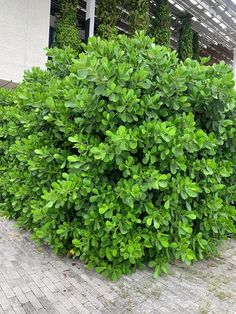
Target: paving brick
x=7, y=290
x=27, y=268
x=95, y=302
x=61, y=308
x=29, y=309
x=33, y=300
x=49, y=284
x=52, y=277
x=25, y=288
x=20, y=295
x=64, y=300
x=37, y=291
x=50, y=296
x=48, y=305
x=92, y=309
x=17, y=306
x=22, y=272
x=38, y=281
x=4, y=302
x=60, y=286
x=88, y=287
x=10, y=311
x=2, y=278
x=78, y=305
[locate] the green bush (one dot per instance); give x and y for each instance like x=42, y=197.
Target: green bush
x=67, y=33
x=126, y=158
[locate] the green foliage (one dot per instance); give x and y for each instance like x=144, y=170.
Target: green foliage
x=185, y=44
x=138, y=18
x=126, y=158
x=163, y=23
x=67, y=33
x=196, y=48
x=107, y=15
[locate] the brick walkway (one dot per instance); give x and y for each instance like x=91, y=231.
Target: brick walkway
x=33, y=280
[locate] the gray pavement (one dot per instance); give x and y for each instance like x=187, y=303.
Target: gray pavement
x=34, y=280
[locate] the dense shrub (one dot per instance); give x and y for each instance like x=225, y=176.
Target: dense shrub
x=127, y=157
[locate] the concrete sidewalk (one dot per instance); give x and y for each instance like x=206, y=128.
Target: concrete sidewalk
x=34, y=280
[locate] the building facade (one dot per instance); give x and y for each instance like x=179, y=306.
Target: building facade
x=24, y=32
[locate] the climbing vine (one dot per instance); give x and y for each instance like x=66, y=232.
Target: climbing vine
x=107, y=15
x=163, y=23
x=195, y=46
x=185, y=45
x=67, y=33
x=138, y=18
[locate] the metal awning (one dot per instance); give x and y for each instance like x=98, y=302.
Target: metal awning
x=215, y=22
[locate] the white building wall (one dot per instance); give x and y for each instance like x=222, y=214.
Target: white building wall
x=24, y=32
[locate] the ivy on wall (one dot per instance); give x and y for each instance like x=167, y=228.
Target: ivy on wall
x=67, y=33
x=185, y=44
x=196, y=48
x=107, y=15
x=138, y=18
x=163, y=23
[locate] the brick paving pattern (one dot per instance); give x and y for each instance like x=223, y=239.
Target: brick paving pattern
x=34, y=280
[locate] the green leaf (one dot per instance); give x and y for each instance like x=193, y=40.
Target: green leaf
x=163, y=184
x=191, y=192
x=191, y=216
x=50, y=204
x=114, y=252
x=149, y=221
x=38, y=151
x=152, y=264
x=133, y=144
x=103, y=209
x=156, y=224
x=164, y=242
x=167, y=204
x=76, y=242
x=73, y=139
x=157, y=272
x=108, y=254
x=187, y=229
x=183, y=99
x=73, y=158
